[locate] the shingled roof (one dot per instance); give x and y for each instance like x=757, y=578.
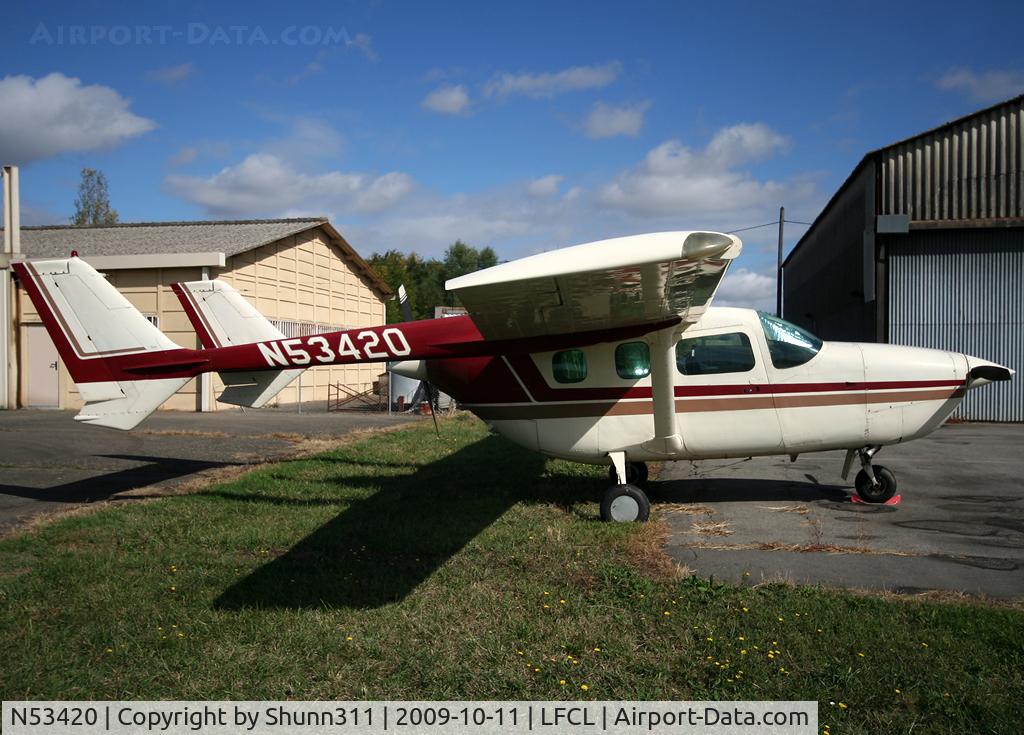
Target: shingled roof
x=158, y=238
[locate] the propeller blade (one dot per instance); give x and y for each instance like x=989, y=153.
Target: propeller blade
x=403, y=304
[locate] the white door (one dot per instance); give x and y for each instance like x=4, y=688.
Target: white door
x=42, y=369
x=724, y=405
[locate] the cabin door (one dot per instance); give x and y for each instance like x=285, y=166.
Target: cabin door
x=724, y=405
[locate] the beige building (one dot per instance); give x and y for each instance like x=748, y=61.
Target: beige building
x=300, y=273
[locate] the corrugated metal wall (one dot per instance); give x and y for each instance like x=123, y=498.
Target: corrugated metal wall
x=963, y=290
x=971, y=170
x=824, y=282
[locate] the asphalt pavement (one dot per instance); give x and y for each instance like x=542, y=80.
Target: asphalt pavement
x=49, y=462
x=959, y=525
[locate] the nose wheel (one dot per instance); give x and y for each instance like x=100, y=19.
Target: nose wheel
x=881, y=490
x=874, y=483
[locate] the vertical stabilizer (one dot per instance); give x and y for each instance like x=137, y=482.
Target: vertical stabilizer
x=90, y=322
x=222, y=317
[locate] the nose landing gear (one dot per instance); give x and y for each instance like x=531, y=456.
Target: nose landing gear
x=624, y=502
x=874, y=483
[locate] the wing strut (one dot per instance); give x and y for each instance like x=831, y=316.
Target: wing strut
x=667, y=440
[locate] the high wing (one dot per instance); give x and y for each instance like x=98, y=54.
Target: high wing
x=610, y=284
x=125, y=367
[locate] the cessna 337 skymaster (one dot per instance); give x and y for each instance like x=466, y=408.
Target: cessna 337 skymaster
x=605, y=353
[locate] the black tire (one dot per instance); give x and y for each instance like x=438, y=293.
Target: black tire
x=625, y=504
x=880, y=493
x=636, y=474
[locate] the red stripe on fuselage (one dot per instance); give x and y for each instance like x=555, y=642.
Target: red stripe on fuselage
x=539, y=388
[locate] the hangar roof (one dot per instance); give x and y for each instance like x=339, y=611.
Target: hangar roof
x=871, y=157
x=160, y=238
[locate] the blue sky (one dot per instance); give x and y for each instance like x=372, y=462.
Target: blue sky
x=522, y=126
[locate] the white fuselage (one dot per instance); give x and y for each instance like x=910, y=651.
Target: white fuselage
x=733, y=397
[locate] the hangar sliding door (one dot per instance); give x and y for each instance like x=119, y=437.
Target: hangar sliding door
x=963, y=290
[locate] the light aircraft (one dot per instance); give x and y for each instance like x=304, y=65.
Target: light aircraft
x=604, y=353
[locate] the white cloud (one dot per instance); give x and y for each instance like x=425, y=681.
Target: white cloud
x=264, y=184
x=309, y=70
x=447, y=100
x=745, y=288
x=33, y=215
x=42, y=118
x=202, y=150
x=172, y=74
x=184, y=156
x=545, y=186
x=673, y=180
x=606, y=121
x=989, y=86
x=508, y=218
x=364, y=43
x=551, y=84
x=307, y=141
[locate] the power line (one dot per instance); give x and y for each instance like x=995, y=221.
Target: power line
x=768, y=224
x=753, y=227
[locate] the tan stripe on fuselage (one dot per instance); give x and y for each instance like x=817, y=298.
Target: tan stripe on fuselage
x=697, y=405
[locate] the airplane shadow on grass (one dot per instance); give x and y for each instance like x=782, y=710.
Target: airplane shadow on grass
x=380, y=548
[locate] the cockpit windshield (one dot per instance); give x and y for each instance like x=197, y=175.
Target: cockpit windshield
x=788, y=344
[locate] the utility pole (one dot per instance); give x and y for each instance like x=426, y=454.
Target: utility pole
x=778, y=272
x=11, y=250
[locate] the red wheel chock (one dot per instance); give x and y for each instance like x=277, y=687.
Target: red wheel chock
x=894, y=500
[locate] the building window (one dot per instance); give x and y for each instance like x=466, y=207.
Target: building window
x=715, y=354
x=569, y=366
x=633, y=360
x=153, y=319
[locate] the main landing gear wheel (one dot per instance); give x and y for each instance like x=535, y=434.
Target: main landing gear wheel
x=625, y=504
x=882, y=490
x=636, y=473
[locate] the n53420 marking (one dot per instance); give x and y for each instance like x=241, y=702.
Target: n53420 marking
x=365, y=345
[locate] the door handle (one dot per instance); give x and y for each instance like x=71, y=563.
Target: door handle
x=752, y=389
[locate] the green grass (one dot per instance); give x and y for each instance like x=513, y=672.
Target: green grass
x=403, y=567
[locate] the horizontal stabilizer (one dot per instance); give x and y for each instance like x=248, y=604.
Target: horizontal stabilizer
x=254, y=389
x=125, y=404
x=222, y=317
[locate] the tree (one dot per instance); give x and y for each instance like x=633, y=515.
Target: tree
x=92, y=205
x=424, y=279
x=392, y=268
x=460, y=259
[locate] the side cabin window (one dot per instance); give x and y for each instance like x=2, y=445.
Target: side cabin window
x=633, y=360
x=715, y=354
x=569, y=366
